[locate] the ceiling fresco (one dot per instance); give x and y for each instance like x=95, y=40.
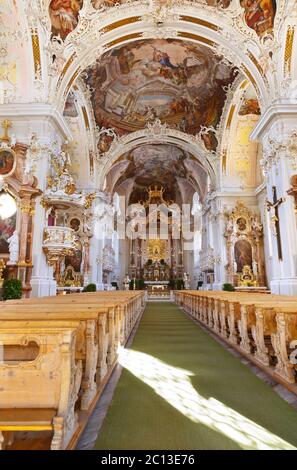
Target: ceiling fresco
x=164, y=165
x=250, y=106
x=259, y=15
x=64, y=16
x=249, y=103
x=180, y=83
x=70, y=109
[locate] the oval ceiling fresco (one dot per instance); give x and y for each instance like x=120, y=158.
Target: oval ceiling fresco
x=175, y=81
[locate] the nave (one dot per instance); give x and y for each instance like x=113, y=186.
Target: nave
x=181, y=389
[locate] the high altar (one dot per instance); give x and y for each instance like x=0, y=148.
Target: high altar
x=157, y=261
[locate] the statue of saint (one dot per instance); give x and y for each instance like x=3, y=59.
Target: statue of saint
x=186, y=281
x=13, y=248
x=127, y=281
x=235, y=267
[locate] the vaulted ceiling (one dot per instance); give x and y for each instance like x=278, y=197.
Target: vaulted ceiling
x=64, y=14
x=167, y=165
x=183, y=84
x=180, y=83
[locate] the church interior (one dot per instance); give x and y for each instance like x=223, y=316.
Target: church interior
x=148, y=224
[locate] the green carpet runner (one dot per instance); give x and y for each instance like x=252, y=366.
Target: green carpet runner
x=182, y=390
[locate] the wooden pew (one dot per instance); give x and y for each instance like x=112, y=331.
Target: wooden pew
x=98, y=320
x=50, y=380
x=261, y=326
x=286, y=333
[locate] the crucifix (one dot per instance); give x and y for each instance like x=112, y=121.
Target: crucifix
x=275, y=205
x=6, y=124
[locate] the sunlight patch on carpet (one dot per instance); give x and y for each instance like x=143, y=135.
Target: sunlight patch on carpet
x=174, y=385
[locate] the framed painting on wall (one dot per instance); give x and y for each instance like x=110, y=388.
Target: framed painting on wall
x=7, y=162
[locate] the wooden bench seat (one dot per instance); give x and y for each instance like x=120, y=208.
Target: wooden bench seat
x=57, y=352
x=262, y=326
x=26, y=419
x=21, y=419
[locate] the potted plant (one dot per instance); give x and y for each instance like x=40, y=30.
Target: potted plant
x=228, y=287
x=180, y=285
x=172, y=284
x=12, y=289
x=90, y=288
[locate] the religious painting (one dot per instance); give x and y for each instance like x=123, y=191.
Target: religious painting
x=74, y=261
x=64, y=16
x=156, y=249
x=175, y=81
x=161, y=164
x=250, y=106
x=164, y=165
x=259, y=15
x=7, y=227
x=243, y=254
x=241, y=224
x=210, y=141
x=7, y=162
x=105, y=142
x=70, y=109
x=75, y=224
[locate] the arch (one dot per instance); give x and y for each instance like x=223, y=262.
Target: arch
x=101, y=33
x=160, y=133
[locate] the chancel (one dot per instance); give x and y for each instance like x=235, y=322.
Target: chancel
x=148, y=225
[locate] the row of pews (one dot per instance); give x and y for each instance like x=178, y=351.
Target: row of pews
x=56, y=355
x=263, y=327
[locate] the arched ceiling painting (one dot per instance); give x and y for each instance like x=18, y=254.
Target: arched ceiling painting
x=64, y=14
x=178, y=82
x=164, y=165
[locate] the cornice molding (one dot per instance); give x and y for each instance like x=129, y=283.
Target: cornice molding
x=276, y=111
x=227, y=193
x=37, y=111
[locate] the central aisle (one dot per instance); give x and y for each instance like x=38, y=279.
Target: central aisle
x=180, y=389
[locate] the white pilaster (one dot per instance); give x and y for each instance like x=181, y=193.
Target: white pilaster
x=276, y=132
